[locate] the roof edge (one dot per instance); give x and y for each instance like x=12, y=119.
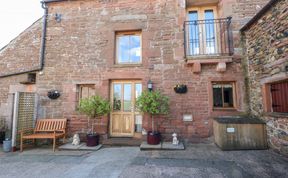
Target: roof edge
x=266, y=8
x=47, y=1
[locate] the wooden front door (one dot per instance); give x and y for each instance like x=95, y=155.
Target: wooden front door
x=123, y=97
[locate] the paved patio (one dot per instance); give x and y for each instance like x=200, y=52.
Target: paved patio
x=200, y=160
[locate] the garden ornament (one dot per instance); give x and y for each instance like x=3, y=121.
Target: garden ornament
x=76, y=140
x=175, y=140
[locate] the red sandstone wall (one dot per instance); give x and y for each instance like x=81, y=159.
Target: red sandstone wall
x=80, y=50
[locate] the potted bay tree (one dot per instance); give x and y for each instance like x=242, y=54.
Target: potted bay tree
x=94, y=107
x=153, y=103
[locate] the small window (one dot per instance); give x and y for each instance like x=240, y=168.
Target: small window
x=223, y=95
x=128, y=48
x=279, y=97
x=85, y=91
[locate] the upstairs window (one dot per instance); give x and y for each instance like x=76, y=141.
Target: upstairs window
x=128, y=48
x=223, y=95
x=206, y=34
x=202, y=31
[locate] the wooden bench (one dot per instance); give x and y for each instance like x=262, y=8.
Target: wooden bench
x=45, y=129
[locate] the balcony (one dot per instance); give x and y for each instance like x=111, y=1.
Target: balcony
x=208, y=41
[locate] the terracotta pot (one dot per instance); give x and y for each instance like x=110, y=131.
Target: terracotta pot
x=153, y=138
x=92, y=140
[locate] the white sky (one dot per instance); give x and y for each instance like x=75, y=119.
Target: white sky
x=16, y=16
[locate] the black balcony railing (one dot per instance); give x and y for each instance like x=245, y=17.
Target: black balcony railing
x=208, y=37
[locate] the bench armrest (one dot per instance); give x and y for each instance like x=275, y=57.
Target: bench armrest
x=59, y=130
x=24, y=130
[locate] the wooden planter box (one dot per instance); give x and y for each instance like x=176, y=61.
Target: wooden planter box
x=239, y=133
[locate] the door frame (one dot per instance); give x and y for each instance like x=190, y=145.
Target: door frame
x=133, y=112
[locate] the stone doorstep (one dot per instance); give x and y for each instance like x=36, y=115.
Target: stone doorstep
x=162, y=146
x=81, y=146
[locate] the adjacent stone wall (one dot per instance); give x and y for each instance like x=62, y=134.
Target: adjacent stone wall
x=22, y=53
x=267, y=54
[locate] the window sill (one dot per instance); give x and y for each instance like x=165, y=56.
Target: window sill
x=197, y=61
x=208, y=59
x=127, y=65
x=276, y=114
x=224, y=109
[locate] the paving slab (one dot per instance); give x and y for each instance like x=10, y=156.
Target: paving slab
x=146, y=146
x=197, y=160
x=162, y=146
x=81, y=146
x=170, y=146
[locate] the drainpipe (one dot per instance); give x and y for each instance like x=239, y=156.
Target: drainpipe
x=42, y=48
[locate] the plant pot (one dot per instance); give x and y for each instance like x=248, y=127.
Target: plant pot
x=7, y=145
x=92, y=140
x=2, y=137
x=153, y=138
x=181, y=89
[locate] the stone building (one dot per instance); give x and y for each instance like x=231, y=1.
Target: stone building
x=266, y=38
x=114, y=47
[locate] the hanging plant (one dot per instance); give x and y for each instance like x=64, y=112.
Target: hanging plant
x=180, y=88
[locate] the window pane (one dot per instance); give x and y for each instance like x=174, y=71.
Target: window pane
x=127, y=97
x=217, y=96
x=228, y=95
x=129, y=49
x=135, y=49
x=117, y=97
x=210, y=32
x=123, y=49
x=193, y=33
x=138, y=91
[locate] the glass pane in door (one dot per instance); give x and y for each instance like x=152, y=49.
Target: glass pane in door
x=210, y=32
x=194, y=43
x=127, y=104
x=117, y=95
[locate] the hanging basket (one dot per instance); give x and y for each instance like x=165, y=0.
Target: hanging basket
x=53, y=94
x=180, y=89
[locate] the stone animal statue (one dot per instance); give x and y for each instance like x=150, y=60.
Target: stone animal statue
x=76, y=140
x=175, y=141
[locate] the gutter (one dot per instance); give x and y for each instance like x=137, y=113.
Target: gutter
x=258, y=15
x=47, y=1
x=43, y=42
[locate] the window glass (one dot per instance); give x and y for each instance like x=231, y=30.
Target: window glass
x=86, y=91
x=194, y=33
x=127, y=97
x=223, y=95
x=117, y=97
x=138, y=91
x=128, y=49
x=210, y=31
x=123, y=51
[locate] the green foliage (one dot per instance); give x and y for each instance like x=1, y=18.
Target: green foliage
x=153, y=103
x=94, y=106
